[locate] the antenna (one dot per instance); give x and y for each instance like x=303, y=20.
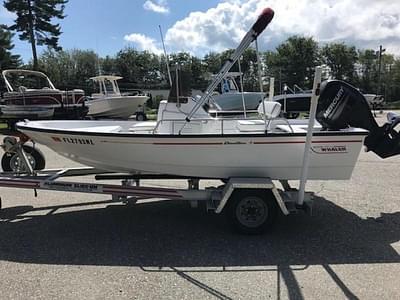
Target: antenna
x=166, y=56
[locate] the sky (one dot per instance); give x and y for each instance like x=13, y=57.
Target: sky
x=202, y=26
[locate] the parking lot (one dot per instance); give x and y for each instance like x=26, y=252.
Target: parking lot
x=67, y=246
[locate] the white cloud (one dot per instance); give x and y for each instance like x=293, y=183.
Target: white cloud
x=364, y=23
x=159, y=6
x=143, y=42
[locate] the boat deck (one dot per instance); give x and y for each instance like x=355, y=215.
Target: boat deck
x=180, y=127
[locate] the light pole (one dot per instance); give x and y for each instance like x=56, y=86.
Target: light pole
x=381, y=50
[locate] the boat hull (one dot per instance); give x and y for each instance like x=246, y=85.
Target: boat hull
x=115, y=107
x=43, y=104
x=25, y=112
x=333, y=155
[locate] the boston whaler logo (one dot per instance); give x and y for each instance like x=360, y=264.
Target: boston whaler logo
x=329, y=149
x=68, y=140
x=335, y=101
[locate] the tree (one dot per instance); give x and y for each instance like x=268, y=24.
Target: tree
x=389, y=73
x=341, y=60
x=394, y=71
x=212, y=62
x=248, y=61
x=7, y=59
x=70, y=69
x=297, y=58
x=140, y=68
x=271, y=60
x=34, y=22
x=368, y=70
x=198, y=72
x=248, y=64
x=108, y=65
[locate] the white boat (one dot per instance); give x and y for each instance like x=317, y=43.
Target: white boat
x=206, y=147
x=185, y=140
x=229, y=99
x=110, y=103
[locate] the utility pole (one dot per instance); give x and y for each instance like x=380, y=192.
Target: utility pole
x=378, y=90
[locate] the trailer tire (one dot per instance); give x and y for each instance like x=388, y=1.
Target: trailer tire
x=9, y=160
x=141, y=117
x=252, y=211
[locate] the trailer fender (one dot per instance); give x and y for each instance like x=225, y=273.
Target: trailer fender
x=250, y=183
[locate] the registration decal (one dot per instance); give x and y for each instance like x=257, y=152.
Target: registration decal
x=70, y=140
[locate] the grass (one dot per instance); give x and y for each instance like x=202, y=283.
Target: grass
x=151, y=117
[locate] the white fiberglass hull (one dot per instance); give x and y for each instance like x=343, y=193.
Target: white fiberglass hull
x=102, y=145
x=121, y=107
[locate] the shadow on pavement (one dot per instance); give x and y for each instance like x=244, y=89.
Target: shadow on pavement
x=167, y=235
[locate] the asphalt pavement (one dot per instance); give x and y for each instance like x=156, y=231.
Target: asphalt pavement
x=82, y=246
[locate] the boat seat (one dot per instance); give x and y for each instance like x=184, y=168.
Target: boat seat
x=272, y=109
x=250, y=125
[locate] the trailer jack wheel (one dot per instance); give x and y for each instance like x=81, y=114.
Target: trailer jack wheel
x=252, y=211
x=11, y=162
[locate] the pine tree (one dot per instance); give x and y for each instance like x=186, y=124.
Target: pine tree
x=7, y=59
x=33, y=22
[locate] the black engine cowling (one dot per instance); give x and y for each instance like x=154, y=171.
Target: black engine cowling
x=341, y=105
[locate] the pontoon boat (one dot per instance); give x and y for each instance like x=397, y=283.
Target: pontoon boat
x=31, y=95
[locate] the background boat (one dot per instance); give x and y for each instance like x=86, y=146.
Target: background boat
x=110, y=103
x=31, y=94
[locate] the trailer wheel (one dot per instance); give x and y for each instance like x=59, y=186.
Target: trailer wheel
x=141, y=117
x=252, y=211
x=11, y=162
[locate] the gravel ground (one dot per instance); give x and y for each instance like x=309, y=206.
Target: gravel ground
x=79, y=246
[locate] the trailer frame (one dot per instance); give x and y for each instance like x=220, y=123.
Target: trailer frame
x=129, y=191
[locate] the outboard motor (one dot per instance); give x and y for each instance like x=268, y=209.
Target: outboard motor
x=341, y=105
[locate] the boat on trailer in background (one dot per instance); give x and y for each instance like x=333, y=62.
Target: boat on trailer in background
x=31, y=95
x=110, y=103
x=229, y=99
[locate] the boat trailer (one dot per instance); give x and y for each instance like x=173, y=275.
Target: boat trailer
x=251, y=204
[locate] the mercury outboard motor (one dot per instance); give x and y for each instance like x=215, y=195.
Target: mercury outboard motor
x=341, y=105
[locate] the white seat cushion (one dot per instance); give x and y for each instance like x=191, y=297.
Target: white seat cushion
x=143, y=126
x=272, y=109
x=250, y=125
